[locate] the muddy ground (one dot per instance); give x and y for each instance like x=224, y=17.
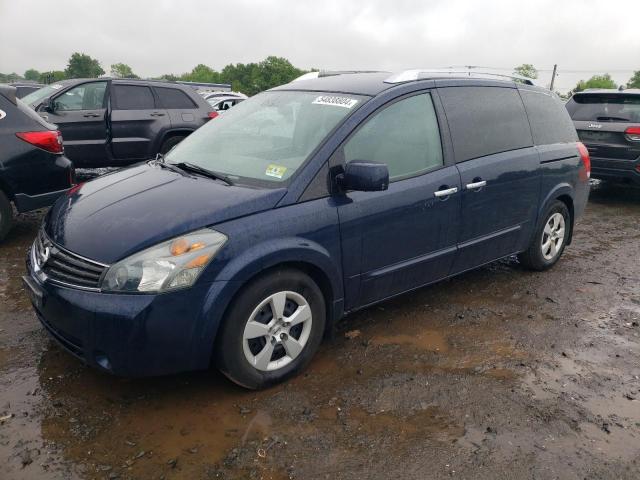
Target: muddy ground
x=499, y=373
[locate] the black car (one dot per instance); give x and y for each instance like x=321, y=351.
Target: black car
x=608, y=123
x=25, y=88
x=33, y=170
x=111, y=122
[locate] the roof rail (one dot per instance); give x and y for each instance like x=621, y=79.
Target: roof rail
x=332, y=73
x=418, y=74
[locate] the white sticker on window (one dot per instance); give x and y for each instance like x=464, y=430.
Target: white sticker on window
x=2, y=114
x=344, y=102
x=56, y=86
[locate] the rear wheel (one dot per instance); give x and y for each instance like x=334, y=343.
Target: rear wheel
x=6, y=215
x=272, y=330
x=550, y=238
x=169, y=143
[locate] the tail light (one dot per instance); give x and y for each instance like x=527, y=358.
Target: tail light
x=49, y=140
x=213, y=115
x=586, y=161
x=633, y=134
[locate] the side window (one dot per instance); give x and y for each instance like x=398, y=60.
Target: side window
x=405, y=136
x=174, y=98
x=132, y=97
x=88, y=96
x=485, y=120
x=549, y=119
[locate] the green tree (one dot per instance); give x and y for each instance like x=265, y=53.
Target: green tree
x=9, y=77
x=52, y=76
x=201, y=73
x=634, y=82
x=83, y=66
x=526, y=70
x=122, y=70
x=597, y=81
x=169, y=77
x=32, y=74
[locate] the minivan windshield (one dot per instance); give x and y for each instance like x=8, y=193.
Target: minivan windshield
x=34, y=98
x=605, y=107
x=265, y=139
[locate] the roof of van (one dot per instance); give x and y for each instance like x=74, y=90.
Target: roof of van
x=373, y=82
x=609, y=91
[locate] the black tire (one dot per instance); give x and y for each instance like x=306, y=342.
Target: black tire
x=169, y=143
x=6, y=216
x=230, y=345
x=534, y=258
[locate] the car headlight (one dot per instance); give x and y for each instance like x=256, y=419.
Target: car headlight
x=170, y=265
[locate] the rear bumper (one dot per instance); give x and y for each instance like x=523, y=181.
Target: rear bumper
x=613, y=169
x=26, y=203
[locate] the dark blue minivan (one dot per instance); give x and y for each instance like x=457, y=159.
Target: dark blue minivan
x=253, y=236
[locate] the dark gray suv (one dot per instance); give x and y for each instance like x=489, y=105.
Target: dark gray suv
x=608, y=123
x=112, y=122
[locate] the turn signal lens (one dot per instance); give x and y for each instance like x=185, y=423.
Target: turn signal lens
x=179, y=247
x=198, y=261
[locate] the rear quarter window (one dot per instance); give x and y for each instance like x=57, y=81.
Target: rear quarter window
x=550, y=122
x=174, y=98
x=485, y=120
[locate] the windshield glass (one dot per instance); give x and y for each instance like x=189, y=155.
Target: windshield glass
x=605, y=108
x=36, y=97
x=266, y=138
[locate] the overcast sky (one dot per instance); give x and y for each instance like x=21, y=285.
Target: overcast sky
x=154, y=37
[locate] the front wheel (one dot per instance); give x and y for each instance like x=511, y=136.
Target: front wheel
x=550, y=238
x=272, y=330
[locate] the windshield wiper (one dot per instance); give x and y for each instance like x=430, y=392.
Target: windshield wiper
x=192, y=167
x=159, y=160
x=613, y=119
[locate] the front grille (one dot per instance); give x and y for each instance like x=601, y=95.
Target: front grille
x=61, y=266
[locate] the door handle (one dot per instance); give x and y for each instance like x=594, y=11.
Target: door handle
x=446, y=192
x=91, y=115
x=476, y=185
x=157, y=114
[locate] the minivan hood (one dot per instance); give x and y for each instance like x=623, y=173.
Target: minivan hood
x=113, y=216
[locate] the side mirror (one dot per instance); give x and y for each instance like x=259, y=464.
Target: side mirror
x=364, y=176
x=49, y=105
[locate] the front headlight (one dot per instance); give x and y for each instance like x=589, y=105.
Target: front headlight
x=173, y=264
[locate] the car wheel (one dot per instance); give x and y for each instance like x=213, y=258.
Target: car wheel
x=272, y=329
x=169, y=143
x=550, y=238
x=6, y=215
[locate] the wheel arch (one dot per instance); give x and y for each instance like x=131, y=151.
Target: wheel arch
x=563, y=192
x=174, y=132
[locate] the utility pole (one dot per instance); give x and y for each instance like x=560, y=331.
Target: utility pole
x=553, y=76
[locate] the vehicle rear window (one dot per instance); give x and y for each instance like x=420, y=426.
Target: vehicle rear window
x=485, y=120
x=550, y=122
x=132, y=97
x=603, y=107
x=174, y=98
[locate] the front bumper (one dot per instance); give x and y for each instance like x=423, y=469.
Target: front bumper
x=612, y=169
x=125, y=334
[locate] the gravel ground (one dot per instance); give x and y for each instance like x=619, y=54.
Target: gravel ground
x=498, y=373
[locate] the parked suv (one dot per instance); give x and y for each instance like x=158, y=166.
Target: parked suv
x=299, y=205
x=33, y=170
x=608, y=123
x=111, y=122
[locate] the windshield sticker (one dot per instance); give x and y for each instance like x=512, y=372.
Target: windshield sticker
x=2, y=114
x=275, y=170
x=344, y=102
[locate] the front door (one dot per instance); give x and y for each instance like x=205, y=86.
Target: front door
x=404, y=237
x=80, y=114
